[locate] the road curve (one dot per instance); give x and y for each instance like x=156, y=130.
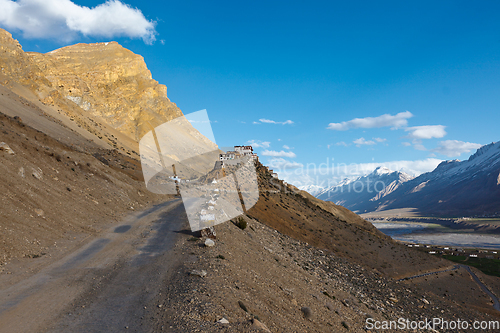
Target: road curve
x=105, y=286
x=429, y=273
x=496, y=302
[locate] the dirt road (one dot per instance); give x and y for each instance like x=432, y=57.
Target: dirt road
x=485, y=289
x=107, y=285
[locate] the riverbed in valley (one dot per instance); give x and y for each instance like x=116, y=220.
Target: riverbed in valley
x=437, y=234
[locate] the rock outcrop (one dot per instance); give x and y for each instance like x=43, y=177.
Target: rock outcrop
x=103, y=89
x=95, y=83
x=110, y=82
x=16, y=65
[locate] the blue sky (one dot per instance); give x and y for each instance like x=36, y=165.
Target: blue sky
x=278, y=73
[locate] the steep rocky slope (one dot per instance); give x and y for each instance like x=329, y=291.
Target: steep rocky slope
x=52, y=193
x=103, y=88
x=335, y=228
x=109, y=82
x=262, y=280
x=105, y=80
x=16, y=65
x=73, y=118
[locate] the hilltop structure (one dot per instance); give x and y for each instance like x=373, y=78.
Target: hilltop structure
x=238, y=152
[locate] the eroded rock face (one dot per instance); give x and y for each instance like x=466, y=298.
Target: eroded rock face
x=16, y=65
x=108, y=91
x=111, y=82
x=104, y=79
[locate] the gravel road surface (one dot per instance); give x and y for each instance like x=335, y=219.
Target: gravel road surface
x=107, y=285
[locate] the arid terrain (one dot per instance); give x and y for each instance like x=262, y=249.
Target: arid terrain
x=84, y=246
x=259, y=273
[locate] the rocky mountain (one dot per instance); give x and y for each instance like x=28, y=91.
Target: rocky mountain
x=360, y=193
x=103, y=88
x=109, y=82
x=287, y=285
x=454, y=188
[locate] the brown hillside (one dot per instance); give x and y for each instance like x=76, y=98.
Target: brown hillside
x=334, y=228
x=52, y=192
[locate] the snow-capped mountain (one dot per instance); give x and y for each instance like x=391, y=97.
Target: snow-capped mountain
x=454, y=188
x=359, y=193
x=312, y=189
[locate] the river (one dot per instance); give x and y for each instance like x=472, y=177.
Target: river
x=433, y=234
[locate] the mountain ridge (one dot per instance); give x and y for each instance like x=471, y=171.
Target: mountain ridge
x=105, y=79
x=453, y=188
x=354, y=194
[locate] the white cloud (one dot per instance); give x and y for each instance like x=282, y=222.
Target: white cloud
x=454, y=148
x=413, y=168
x=64, y=20
x=385, y=120
x=282, y=164
x=192, y=121
x=268, y=121
x=286, y=147
x=417, y=144
x=426, y=132
x=341, y=143
x=361, y=141
x=279, y=153
x=259, y=144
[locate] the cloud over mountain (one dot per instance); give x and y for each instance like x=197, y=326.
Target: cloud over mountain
x=65, y=20
x=453, y=148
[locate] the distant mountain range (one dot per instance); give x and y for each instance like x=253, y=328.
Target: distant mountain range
x=454, y=188
x=356, y=194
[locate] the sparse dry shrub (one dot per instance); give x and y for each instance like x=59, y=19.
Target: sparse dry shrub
x=241, y=223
